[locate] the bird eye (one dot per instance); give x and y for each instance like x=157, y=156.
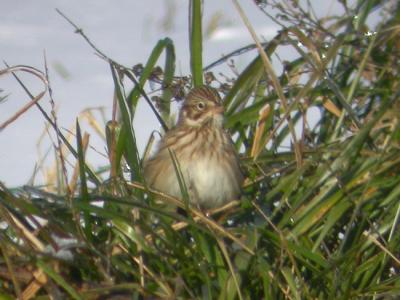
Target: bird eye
x=201, y=105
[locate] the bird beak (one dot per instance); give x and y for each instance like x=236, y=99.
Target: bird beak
x=218, y=109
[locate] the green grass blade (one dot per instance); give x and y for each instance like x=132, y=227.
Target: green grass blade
x=167, y=44
x=59, y=280
x=196, y=42
x=127, y=140
x=169, y=72
x=291, y=283
x=81, y=159
x=181, y=179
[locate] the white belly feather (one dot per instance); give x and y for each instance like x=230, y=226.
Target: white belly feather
x=208, y=181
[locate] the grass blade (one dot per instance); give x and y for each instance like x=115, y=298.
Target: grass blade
x=196, y=42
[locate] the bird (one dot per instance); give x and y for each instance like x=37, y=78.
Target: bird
x=205, y=154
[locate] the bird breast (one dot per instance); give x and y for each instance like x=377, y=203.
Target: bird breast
x=210, y=182
x=207, y=161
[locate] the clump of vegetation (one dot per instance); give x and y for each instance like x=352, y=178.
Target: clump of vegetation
x=317, y=220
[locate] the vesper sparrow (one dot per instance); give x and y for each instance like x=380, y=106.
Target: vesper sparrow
x=204, y=151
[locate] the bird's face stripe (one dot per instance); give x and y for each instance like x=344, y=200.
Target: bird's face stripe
x=204, y=93
x=202, y=106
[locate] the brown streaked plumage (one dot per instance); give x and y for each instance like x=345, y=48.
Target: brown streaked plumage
x=204, y=150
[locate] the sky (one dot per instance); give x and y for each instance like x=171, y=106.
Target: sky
x=126, y=31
